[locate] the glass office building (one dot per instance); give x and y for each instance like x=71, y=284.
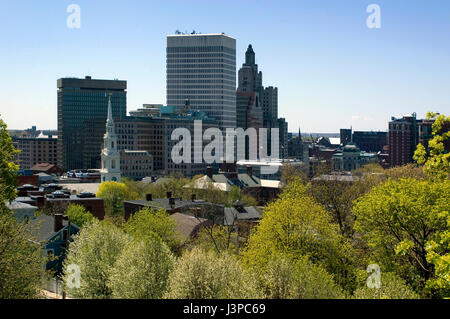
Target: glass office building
x=82, y=112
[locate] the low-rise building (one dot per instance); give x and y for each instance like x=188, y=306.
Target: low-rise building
x=351, y=158
x=136, y=164
x=47, y=168
x=54, y=233
x=94, y=205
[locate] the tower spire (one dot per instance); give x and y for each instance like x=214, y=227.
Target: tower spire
x=250, y=56
x=109, y=119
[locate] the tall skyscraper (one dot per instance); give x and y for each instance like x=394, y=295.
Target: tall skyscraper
x=283, y=136
x=256, y=105
x=82, y=112
x=269, y=98
x=248, y=106
x=403, y=138
x=202, y=69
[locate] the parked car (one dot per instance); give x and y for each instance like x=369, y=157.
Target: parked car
x=59, y=194
x=86, y=194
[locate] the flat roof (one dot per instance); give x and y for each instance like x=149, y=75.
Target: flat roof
x=200, y=34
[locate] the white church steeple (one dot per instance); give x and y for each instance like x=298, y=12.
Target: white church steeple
x=110, y=155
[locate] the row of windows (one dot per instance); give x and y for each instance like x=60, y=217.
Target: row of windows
x=174, y=100
x=200, y=81
x=191, y=87
x=201, y=76
x=201, y=55
x=196, y=60
x=201, y=66
x=201, y=49
x=191, y=92
x=215, y=71
x=201, y=99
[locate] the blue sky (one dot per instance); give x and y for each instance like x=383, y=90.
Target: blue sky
x=330, y=69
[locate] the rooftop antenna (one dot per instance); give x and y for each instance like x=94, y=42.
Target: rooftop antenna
x=351, y=133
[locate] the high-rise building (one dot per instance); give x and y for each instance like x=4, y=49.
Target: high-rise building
x=269, y=98
x=152, y=133
x=403, y=138
x=283, y=136
x=110, y=155
x=248, y=106
x=370, y=141
x=345, y=136
x=202, y=69
x=82, y=112
x=249, y=79
x=257, y=106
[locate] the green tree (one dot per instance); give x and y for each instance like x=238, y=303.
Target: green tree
x=436, y=160
x=114, y=194
x=285, y=278
x=7, y=167
x=295, y=225
x=95, y=249
x=79, y=215
x=205, y=275
x=399, y=219
x=142, y=270
x=438, y=254
x=216, y=238
x=236, y=194
x=145, y=223
x=392, y=287
x=21, y=260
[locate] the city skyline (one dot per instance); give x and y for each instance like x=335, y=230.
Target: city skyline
x=331, y=70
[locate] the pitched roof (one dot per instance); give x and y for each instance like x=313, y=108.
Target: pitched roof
x=161, y=203
x=42, y=167
x=42, y=227
x=186, y=224
x=249, y=213
x=15, y=205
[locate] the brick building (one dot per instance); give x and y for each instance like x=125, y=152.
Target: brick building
x=403, y=138
x=35, y=150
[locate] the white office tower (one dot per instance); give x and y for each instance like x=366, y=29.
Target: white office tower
x=201, y=68
x=110, y=171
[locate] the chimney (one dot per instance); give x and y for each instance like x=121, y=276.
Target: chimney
x=249, y=171
x=169, y=195
x=58, y=222
x=193, y=197
x=209, y=171
x=40, y=201
x=148, y=197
